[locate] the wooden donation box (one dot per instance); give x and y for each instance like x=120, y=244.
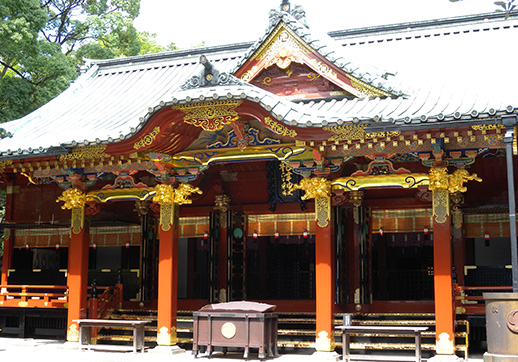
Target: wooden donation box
x=236, y=324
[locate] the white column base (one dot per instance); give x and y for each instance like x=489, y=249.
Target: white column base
x=445, y=358
x=325, y=356
x=167, y=350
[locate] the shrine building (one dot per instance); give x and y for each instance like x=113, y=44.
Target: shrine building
x=363, y=172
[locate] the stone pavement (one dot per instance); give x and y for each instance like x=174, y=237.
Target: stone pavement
x=23, y=350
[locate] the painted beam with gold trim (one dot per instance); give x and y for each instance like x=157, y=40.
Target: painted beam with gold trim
x=406, y=181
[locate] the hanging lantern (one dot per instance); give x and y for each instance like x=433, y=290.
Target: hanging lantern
x=426, y=231
x=127, y=245
x=206, y=235
x=305, y=234
x=254, y=235
x=381, y=231
x=486, y=239
x=57, y=246
x=94, y=246
x=27, y=246
x=276, y=235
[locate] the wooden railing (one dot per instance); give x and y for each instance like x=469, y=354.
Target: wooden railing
x=109, y=300
x=33, y=296
x=467, y=303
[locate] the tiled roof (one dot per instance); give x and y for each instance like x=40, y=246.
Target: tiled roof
x=459, y=69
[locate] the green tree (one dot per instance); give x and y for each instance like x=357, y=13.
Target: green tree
x=42, y=43
x=506, y=6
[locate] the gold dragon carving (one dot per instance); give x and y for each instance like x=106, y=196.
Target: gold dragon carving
x=443, y=184
x=169, y=198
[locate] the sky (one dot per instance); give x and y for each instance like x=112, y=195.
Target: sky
x=187, y=23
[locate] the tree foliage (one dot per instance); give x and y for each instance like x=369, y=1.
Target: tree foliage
x=506, y=6
x=44, y=42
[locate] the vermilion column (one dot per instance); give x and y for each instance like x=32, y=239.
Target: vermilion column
x=442, y=256
x=320, y=189
x=444, y=304
x=167, y=275
x=324, y=288
x=8, y=255
x=77, y=277
x=169, y=199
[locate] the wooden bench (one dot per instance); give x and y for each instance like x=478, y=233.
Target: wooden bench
x=380, y=331
x=85, y=335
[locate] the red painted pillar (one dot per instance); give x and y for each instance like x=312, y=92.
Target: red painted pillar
x=167, y=275
x=77, y=279
x=169, y=199
x=442, y=256
x=8, y=254
x=324, y=261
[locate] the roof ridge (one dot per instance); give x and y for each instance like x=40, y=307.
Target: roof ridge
x=422, y=24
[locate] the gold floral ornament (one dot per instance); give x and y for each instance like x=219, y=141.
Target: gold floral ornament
x=313, y=187
x=73, y=199
x=317, y=188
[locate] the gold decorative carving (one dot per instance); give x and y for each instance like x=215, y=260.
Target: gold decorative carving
x=166, y=338
x=169, y=198
x=456, y=217
x=367, y=89
x=84, y=153
x=313, y=187
x=441, y=180
x=282, y=48
x=347, y=133
x=383, y=134
x=7, y=233
x=147, y=139
x=211, y=116
x=317, y=188
x=279, y=128
x=78, y=220
x=487, y=127
x=228, y=330
x=438, y=178
x=73, y=199
x=458, y=178
x=356, y=198
x=323, y=69
x=444, y=345
x=221, y=202
x=456, y=199
x=4, y=164
x=324, y=343
x=167, y=194
x=73, y=333
x=441, y=206
x=167, y=216
x=322, y=211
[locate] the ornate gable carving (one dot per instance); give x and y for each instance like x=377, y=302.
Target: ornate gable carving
x=284, y=49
